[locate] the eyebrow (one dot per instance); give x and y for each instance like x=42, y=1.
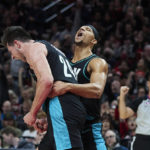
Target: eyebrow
x=88, y=28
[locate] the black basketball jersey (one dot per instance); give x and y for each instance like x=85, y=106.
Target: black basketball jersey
x=59, y=64
x=80, y=69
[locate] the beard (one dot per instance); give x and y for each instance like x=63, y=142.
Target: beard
x=78, y=43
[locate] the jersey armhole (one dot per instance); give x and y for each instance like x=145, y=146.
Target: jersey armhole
x=85, y=68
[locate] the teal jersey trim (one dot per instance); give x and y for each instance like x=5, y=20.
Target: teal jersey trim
x=60, y=130
x=86, y=66
x=82, y=60
x=84, y=70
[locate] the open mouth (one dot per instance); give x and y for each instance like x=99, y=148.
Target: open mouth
x=80, y=34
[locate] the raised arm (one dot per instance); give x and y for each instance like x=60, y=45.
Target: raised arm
x=124, y=111
x=36, y=58
x=98, y=68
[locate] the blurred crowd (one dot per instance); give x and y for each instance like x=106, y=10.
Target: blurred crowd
x=124, y=27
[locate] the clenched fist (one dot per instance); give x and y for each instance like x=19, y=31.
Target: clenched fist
x=29, y=119
x=124, y=90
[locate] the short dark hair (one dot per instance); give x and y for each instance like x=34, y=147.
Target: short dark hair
x=14, y=33
x=9, y=130
x=95, y=32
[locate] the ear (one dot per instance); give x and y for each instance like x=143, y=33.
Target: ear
x=94, y=41
x=17, y=44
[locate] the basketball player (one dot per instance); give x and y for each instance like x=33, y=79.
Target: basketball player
x=65, y=113
x=91, y=72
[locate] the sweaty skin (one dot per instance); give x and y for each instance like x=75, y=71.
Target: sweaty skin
x=97, y=67
x=35, y=55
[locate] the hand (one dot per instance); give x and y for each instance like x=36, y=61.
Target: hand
x=41, y=125
x=124, y=90
x=29, y=119
x=59, y=88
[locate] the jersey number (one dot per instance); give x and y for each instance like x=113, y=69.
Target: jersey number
x=66, y=67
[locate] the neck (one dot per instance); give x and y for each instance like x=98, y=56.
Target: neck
x=26, y=46
x=81, y=53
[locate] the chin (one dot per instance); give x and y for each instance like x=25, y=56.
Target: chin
x=78, y=42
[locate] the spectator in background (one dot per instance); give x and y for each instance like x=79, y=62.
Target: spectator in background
x=104, y=107
x=54, y=33
x=8, y=120
x=107, y=123
x=12, y=138
x=27, y=93
x=113, y=111
x=135, y=81
x=38, y=138
x=26, y=85
x=6, y=109
x=29, y=134
x=112, y=141
x=15, y=66
x=6, y=65
x=24, y=110
x=12, y=85
x=14, y=99
x=131, y=127
x=115, y=90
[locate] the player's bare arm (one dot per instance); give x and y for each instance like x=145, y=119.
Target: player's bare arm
x=98, y=69
x=124, y=111
x=36, y=58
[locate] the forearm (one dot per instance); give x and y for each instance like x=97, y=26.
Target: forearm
x=89, y=90
x=122, y=107
x=42, y=91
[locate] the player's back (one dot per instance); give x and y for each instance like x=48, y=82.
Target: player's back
x=59, y=64
x=60, y=68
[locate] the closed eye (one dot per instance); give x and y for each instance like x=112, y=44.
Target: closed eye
x=88, y=29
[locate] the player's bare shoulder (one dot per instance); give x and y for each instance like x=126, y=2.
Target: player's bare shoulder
x=39, y=47
x=98, y=64
x=35, y=49
x=35, y=52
